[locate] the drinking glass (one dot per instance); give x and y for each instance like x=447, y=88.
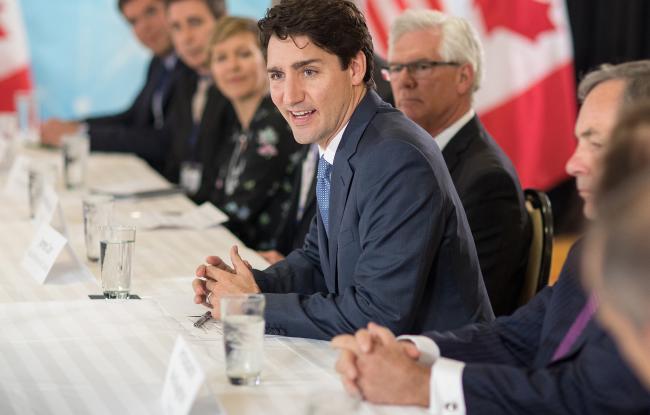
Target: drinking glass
x=116, y=246
x=243, y=336
x=97, y=212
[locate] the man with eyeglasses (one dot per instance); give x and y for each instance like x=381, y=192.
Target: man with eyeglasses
x=434, y=68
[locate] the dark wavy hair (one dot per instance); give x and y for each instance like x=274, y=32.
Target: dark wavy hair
x=336, y=26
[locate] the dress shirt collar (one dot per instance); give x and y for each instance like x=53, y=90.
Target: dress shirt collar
x=447, y=134
x=169, y=61
x=330, y=151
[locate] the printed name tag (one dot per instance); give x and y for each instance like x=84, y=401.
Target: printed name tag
x=42, y=252
x=18, y=179
x=183, y=380
x=47, y=206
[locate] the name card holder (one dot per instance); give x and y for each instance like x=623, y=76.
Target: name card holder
x=43, y=252
x=183, y=380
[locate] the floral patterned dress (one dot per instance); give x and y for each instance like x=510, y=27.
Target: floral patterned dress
x=254, y=177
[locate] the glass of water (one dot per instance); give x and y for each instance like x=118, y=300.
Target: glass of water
x=39, y=176
x=75, y=158
x=116, y=245
x=243, y=336
x=97, y=212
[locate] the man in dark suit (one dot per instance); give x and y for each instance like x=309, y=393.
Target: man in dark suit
x=549, y=357
x=201, y=116
x=442, y=56
x=618, y=248
x=303, y=200
x=139, y=129
x=390, y=240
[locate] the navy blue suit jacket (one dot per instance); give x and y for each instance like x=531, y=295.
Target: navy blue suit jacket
x=133, y=130
x=510, y=368
x=399, y=252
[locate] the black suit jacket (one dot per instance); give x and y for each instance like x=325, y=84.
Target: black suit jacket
x=489, y=189
x=509, y=362
x=214, y=129
x=399, y=250
x=133, y=131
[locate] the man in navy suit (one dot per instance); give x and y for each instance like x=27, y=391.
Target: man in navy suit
x=434, y=68
x=139, y=129
x=390, y=241
x=550, y=356
x=619, y=245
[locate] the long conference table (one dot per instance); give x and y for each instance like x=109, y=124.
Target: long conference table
x=61, y=352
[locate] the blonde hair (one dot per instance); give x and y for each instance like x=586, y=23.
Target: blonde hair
x=228, y=26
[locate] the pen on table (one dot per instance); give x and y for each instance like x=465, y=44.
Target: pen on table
x=203, y=319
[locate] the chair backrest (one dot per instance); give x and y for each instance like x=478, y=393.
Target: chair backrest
x=541, y=244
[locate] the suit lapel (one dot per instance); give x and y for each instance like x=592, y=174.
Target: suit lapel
x=455, y=148
x=342, y=172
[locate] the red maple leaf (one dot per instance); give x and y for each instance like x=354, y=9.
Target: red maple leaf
x=529, y=18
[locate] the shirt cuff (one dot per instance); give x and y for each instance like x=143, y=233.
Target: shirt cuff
x=429, y=350
x=446, y=387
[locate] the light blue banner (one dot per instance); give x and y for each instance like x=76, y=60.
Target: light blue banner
x=85, y=59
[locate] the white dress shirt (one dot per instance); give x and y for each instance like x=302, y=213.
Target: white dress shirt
x=330, y=151
x=448, y=133
x=446, y=386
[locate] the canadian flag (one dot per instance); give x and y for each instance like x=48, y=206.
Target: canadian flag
x=14, y=57
x=527, y=98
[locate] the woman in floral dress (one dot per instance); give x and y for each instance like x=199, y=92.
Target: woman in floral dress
x=252, y=177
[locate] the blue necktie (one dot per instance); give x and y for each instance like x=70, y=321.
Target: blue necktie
x=323, y=190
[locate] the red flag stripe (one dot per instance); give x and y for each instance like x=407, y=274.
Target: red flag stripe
x=538, y=137
x=374, y=18
x=17, y=81
x=435, y=4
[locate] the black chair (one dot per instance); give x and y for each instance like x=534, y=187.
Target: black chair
x=541, y=244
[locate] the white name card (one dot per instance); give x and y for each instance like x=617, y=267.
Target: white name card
x=18, y=178
x=42, y=252
x=47, y=206
x=183, y=380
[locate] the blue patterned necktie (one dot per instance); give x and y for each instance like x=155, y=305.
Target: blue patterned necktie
x=323, y=190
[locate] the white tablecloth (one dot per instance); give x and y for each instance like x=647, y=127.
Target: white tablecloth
x=61, y=352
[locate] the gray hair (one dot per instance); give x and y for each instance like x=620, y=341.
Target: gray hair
x=460, y=42
x=636, y=75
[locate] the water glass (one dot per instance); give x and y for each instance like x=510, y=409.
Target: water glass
x=116, y=246
x=243, y=336
x=97, y=212
x=38, y=177
x=190, y=176
x=75, y=157
x=27, y=114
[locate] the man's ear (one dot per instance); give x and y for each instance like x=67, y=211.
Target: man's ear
x=357, y=68
x=465, y=79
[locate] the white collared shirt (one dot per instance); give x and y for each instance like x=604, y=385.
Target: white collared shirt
x=446, y=396
x=448, y=133
x=330, y=151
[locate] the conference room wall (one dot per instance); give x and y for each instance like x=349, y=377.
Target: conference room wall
x=84, y=58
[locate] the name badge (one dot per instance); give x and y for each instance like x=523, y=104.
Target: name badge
x=47, y=206
x=43, y=252
x=183, y=380
x=18, y=178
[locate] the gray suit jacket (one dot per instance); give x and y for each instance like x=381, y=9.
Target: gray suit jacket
x=399, y=252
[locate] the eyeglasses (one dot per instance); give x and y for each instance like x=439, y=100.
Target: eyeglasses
x=418, y=69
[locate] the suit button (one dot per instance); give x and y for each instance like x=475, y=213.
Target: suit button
x=451, y=406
